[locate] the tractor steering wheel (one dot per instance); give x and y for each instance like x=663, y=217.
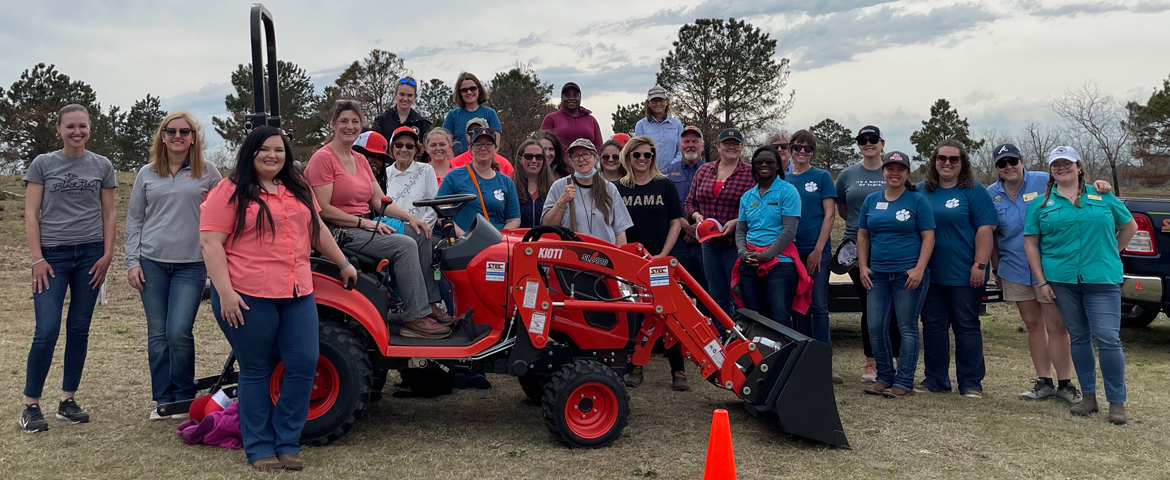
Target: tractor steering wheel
x=447, y=206
x=539, y=230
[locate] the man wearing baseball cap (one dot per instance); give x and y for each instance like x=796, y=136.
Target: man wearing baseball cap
x=376, y=149
x=464, y=158
x=661, y=127
x=572, y=121
x=687, y=249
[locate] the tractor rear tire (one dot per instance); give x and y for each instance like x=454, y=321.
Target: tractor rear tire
x=351, y=396
x=533, y=388
x=585, y=405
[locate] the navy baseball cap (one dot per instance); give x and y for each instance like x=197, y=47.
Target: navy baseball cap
x=1006, y=150
x=869, y=130
x=729, y=134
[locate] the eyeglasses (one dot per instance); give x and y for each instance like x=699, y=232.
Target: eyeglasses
x=868, y=141
x=731, y=145
x=182, y=132
x=1066, y=165
x=781, y=146
x=641, y=155
x=580, y=157
x=483, y=145
x=611, y=156
x=471, y=89
x=1004, y=162
x=533, y=156
x=803, y=148
x=400, y=145
x=409, y=81
x=955, y=159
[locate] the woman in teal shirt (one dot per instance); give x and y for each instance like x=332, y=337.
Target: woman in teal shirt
x=1074, y=251
x=965, y=219
x=896, y=229
x=769, y=214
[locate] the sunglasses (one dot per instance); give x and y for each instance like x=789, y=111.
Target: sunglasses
x=641, y=155
x=409, y=81
x=781, y=146
x=803, y=148
x=1004, y=162
x=868, y=141
x=533, y=156
x=955, y=159
x=400, y=145
x=611, y=156
x=182, y=132
x=471, y=89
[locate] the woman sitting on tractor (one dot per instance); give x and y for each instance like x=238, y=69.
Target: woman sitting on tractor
x=597, y=212
x=344, y=184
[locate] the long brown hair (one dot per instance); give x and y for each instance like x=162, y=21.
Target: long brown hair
x=483, y=94
x=342, y=106
x=158, y=146
x=544, y=179
x=965, y=179
x=598, y=191
x=1080, y=185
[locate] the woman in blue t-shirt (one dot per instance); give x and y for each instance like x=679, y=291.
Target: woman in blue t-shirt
x=895, y=229
x=769, y=214
x=965, y=227
x=817, y=199
x=497, y=194
x=469, y=99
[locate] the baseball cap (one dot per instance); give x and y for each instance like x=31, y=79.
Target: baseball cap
x=372, y=142
x=691, y=129
x=476, y=121
x=845, y=258
x=897, y=157
x=405, y=130
x=1006, y=150
x=1065, y=152
x=708, y=229
x=730, y=133
x=656, y=92
x=568, y=86
x=483, y=132
x=582, y=142
x=869, y=130
x=621, y=138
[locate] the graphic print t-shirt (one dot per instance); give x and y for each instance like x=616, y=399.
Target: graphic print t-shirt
x=71, y=209
x=652, y=207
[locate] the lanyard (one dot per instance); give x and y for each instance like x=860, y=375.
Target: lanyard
x=477, y=190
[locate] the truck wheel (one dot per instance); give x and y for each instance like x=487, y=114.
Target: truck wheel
x=533, y=387
x=1137, y=316
x=585, y=405
x=341, y=387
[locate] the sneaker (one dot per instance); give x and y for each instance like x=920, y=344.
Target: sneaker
x=679, y=382
x=70, y=411
x=1117, y=414
x=1041, y=391
x=32, y=420
x=869, y=373
x=440, y=315
x=1069, y=394
x=1087, y=405
x=425, y=327
x=635, y=377
x=155, y=416
x=972, y=393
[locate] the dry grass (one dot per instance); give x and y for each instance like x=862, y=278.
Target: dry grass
x=493, y=434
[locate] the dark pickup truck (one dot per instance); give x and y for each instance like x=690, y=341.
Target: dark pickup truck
x=1147, y=263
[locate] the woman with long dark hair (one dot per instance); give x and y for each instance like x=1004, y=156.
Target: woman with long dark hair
x=257, y=230
x=533, y=180
x=555, y=153
x=597, y=211
x=69, y=225
x=610, y=162
x=163, y=259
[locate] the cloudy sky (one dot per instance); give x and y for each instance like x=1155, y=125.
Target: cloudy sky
x=1000, y=62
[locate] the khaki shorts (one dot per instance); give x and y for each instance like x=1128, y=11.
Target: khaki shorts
x=1017, y=292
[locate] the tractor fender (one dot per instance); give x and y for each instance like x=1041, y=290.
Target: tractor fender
x=329, y=292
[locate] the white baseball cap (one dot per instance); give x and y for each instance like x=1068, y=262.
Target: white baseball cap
x=1065, y=152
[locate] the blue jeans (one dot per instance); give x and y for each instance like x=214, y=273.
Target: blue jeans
x=815, y=323
x=690, y=256
x=272, y=325
x=770, y=295
x=71, y=266
x=1092, y=313
x=718, y=260
x=171, y=296
x=889, y=295
x=956, y=309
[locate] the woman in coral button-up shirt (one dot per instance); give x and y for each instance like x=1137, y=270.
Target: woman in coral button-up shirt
x=257, y=230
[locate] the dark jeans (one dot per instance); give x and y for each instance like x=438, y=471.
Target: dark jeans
x=955, y=309
x=770, y=295
x=272, y=325
x=1092, y=313
x=690, y=256
x=170, y=297
x=815, y=323
x=718, y=260
x=71, y=266
x=889, y=295
x=866, y=342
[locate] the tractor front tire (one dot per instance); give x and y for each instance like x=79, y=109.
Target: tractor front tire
x=344, y=357
x=585, y=405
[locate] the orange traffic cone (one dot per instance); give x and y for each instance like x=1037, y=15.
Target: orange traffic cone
x=720, y=455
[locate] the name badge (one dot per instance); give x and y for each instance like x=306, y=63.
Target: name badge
x=1095, y=197
x=1028, y=197
x=883, y=205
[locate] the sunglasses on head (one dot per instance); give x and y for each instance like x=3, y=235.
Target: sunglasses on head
x=1004, y=162
x=868, y=140
x=640, y=155
x=182, y=132
x=803, y=148
x=533, y=156
x=955, y=159
x=611, y=156
x=409, y=81
x=470, y=89
x=408, y=146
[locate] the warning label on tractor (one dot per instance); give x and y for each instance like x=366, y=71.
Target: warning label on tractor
x=530, y=290
x=715, y=351
x=537, y=323
x=659, y=277
x=495, y=272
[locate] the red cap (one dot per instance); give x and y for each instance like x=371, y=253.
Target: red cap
x=621, y=138
x=404, y=129
x=708, y=229
x=372, y=142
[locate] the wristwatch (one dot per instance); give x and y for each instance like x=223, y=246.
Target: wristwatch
x=981, y=266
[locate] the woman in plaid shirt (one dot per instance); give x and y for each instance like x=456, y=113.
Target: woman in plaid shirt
x=715, y=193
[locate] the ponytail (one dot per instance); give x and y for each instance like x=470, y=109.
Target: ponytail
x=1080, y=187
x=1048, y=189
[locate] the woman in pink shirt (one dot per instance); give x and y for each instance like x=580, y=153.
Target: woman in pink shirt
x=257, y=229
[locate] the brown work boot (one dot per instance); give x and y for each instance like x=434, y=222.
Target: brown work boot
x=679, y=382
x=292, y=461
x=635, y=377
x=1087, y=405
x=1117, y=414
x=876, y=388
x=869, y=372
x=897, y=392
x=268, y=464
x=440, y=315
x=425, y=327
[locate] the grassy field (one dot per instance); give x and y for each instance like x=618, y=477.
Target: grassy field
x=494, y=434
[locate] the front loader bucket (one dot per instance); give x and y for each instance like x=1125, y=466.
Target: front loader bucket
x=794, y=383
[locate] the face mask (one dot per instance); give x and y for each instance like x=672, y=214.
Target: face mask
x=583, y=176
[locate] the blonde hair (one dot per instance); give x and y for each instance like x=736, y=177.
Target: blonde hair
x=633, y=143
x=158, y=146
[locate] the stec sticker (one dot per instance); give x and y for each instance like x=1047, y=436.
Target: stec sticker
x=659, y=277
x=495, y=272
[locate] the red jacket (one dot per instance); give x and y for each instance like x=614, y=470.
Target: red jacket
x=569, y=128
x=804, y=285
